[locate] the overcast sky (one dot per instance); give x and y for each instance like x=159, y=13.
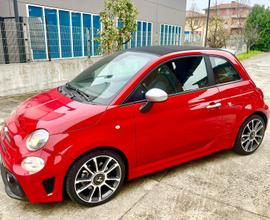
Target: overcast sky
x=202, y=4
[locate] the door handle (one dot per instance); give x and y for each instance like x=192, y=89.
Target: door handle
x=214, y=105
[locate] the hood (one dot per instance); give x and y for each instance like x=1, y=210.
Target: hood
x=56, y=113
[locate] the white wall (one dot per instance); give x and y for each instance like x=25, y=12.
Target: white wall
x=22, y=78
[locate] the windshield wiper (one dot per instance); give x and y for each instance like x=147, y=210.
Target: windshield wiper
x=80, y=92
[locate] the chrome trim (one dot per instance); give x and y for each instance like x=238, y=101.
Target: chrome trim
x=6, y=135
x=216, y=105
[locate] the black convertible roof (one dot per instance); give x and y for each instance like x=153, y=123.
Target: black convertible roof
x=163, y=50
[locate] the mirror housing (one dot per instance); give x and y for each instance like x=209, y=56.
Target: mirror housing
x=156, y=95
x=152, y=96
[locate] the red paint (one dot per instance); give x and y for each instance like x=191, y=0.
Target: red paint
x=172, y=132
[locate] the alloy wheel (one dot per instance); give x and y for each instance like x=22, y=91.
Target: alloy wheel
x=252, y=135
x=97, y=179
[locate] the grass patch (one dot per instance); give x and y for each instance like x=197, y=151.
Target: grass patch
x=252, y=53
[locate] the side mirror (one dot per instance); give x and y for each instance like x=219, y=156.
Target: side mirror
x=156, y=95
x=152, y=96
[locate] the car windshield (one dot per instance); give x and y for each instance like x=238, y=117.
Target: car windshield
x=103, y=80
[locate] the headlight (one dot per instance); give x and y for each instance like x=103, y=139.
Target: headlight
x=32, y=164
x=37, y=139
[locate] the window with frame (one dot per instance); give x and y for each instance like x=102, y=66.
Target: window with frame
x=170, y=34
x=223, y=70
x=179, y=75
x=69, y=34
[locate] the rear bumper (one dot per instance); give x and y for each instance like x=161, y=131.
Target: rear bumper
x=12, y=186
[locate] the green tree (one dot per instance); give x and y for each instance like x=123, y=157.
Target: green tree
x=118, y=23
x=259, y=20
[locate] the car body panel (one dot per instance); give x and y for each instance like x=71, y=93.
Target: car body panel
x=166, y=124
x=55, y=112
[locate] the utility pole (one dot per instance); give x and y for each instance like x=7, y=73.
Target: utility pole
x=207, y=22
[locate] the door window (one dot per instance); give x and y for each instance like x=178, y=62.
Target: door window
x=191, y=73
x=183, y=74
x=223, y=70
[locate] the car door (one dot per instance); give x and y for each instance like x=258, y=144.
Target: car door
x=189, y=120
x=235, y=93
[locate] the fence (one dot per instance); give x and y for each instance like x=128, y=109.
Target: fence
x=236, y=43
x=12, y=48
x=32, y=39
x=36, y=38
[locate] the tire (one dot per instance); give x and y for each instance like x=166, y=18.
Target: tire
x=89, y=186
x=250, y=135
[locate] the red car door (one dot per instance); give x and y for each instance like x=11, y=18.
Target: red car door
x=188, y=121
x=235, y=93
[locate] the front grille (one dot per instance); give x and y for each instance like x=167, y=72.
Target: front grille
x=12, y=186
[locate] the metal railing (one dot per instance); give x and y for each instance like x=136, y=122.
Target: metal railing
x=12, y=41
x=32, y=39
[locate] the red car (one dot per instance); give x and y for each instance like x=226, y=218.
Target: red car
x=130, y=114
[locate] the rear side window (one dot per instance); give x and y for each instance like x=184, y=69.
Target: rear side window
x=223, y=70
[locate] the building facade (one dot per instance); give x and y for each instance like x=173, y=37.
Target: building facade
x=70, y=28
x=234, y=15
x=195, y=28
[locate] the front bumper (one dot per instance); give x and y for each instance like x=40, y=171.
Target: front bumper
x=12, y=186
x=42, y=187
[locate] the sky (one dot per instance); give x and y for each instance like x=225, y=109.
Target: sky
x=202, y=4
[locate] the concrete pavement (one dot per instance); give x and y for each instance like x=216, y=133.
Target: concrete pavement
x=221, y=186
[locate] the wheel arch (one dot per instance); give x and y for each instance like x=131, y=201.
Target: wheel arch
x=260, y=113
x=110, y=148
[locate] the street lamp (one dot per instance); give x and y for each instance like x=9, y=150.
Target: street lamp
x=207, y=21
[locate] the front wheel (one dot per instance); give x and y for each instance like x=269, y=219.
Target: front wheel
x=250, y=135
x=95, y=178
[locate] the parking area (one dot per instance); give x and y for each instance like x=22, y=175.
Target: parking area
x=220, y=186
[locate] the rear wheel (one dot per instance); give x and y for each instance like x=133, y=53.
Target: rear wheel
x=95, y=178
x=250, y=135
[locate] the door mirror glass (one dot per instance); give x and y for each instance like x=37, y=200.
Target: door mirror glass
x=156, y=95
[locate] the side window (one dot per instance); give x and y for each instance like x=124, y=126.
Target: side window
x=183, y=74
x=191, y=72
x=162, y=77
x=137, y=95
x=223, y=70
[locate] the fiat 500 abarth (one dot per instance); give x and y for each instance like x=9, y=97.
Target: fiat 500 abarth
x=130, y=114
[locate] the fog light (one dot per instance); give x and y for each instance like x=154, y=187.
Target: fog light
x=32, y=164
